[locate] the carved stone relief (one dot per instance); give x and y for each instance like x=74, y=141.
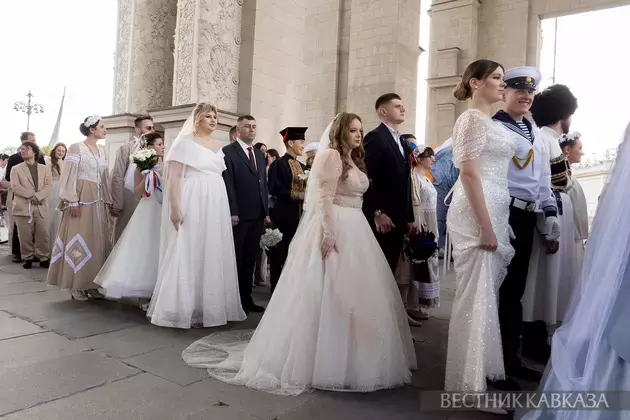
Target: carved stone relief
x=153, y=58
x=185, y=34
x=122, y=55
x=218, y=55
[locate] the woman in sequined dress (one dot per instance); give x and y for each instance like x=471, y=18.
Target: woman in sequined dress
x=477, y=222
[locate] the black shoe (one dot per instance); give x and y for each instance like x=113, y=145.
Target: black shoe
x=255, y=308
x=28, y=264
x=535, y=342
x=17, y=259
x=519, y=370
x=507, y=384
x=44, y=264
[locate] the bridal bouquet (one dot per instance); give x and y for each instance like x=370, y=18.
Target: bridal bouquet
x=304, y=176
x=145, y=159
x=270, y=238
x=420, y=247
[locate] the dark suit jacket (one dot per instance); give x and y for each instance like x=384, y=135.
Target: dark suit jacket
x=247, y=188
x=390, y=178
x=16, y=159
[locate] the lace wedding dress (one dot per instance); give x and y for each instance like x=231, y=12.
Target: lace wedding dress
x=337, y=324
x=474, y=339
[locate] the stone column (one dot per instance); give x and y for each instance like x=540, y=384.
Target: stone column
x=383, y=57
x=207, y=48
x=144, y=55
x=454, y=28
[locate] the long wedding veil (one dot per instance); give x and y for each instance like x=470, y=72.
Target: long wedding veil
x=311, y=197
x=173, y=155
x=585, y=354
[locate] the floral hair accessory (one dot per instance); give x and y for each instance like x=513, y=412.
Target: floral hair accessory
x=573, y=136
x=90, y=121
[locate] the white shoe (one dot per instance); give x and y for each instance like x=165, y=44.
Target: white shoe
x=413, y=322
x=422, y=314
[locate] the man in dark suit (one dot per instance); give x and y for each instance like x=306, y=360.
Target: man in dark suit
x=248, y=194
x=387, y=204
x=16, y=159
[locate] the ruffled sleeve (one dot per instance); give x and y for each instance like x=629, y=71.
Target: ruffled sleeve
x=69, y=175
x=328, y=167
x=469, y=136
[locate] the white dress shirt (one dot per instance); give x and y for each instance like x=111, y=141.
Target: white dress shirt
x=396, y=136
x=246, y=150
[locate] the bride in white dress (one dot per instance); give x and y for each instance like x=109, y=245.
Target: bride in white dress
x=336, y=320
x=131, y=269
x=197, y=285
x=478, y=226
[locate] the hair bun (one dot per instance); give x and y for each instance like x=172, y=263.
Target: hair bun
x=462, y=92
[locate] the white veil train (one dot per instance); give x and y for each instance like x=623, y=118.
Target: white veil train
x=591, y=351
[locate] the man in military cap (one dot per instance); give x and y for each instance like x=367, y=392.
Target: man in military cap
x=529, y=183
x=287, y=189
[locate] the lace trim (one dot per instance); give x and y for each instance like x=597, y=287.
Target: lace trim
x=348, y=201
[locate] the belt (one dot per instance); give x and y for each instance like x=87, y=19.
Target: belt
x=528, y=206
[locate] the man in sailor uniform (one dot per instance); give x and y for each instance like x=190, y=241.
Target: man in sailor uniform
x=529, y=184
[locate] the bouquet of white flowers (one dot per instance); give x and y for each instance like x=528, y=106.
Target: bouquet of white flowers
x=270, y=238
x=145, y=159
x=304, y=176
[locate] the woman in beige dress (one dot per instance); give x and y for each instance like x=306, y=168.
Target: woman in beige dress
x=418, y=283
x=81, y=246
x=57, y=155
x=571, y=145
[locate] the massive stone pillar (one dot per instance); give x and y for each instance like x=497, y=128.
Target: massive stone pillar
x=207, y=48
x=383, y=56
x=272, y=70
x=453, y=47
x=144, y=55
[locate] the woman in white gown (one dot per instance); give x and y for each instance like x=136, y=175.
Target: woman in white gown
x=478, y=226
x=56, y=163
x=131, y=269
x=590, y=352
x=197, y=284
x=336, y=320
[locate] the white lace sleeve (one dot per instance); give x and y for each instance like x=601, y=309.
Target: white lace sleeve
x=70, y=174
x=328, y=167
x=469, y=136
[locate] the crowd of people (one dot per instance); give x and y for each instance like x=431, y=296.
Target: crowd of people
x=184, y=237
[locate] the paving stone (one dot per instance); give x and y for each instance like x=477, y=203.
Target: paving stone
x=9, y=303
x=132, y=341
x=19, y=288
x=6, y=278
x=79, y=327
x=5, y=315
x=397, y=404
x=261, y=404
x=26, y=386
x=48, y=311
x=36, y=273
x=15, y=327
x=36, y=348
x=167, y=363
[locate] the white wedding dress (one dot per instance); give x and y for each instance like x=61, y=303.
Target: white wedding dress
x=197, y=281
x=474, y=339
x=132, y=267
x=337, y=324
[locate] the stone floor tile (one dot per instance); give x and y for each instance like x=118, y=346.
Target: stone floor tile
x=35, y=348
x=15, y=327
x=167, y=363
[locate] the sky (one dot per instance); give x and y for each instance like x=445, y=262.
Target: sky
x=72, y=43
x=49, y=44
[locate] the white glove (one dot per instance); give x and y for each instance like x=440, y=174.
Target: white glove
x=552, y=228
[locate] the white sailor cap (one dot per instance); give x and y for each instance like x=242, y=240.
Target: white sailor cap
x=524, y=77
x=311, y=147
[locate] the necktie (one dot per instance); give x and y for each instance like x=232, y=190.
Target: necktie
x=251, y=156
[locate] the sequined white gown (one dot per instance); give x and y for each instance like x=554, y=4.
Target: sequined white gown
x=338, y=324
x=474, y=339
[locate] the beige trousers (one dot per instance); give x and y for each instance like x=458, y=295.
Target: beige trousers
x=34, y=236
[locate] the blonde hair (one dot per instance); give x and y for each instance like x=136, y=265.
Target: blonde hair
x=201, y=110
x=338, y=141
